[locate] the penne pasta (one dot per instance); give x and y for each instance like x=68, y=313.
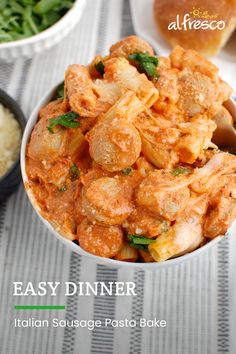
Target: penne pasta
x=128, y=77
x=127, y=107
x=185, y=235
x=127, y=254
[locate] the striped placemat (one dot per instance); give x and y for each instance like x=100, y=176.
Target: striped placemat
x=197, y=298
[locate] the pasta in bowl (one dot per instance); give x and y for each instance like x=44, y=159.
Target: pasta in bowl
x=119, y=162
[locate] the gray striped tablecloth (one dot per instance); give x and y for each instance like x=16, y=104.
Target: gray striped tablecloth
x=197, y=299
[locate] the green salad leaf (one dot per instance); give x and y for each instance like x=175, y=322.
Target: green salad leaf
x=44, y=6
x=20, y=19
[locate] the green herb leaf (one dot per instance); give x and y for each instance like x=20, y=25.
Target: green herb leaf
x=74, y=172
x=127, y=171
x=68, y=120
x=139, y=247
x=60, y=91
x=139, y=242
x=62, y=189
x=181, y=171
x=100, y=67
x=147, y=64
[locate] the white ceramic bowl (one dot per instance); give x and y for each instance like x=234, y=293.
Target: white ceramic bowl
x=231, y=106
x=28, y=47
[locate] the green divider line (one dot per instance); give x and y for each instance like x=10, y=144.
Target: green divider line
x=35, y=307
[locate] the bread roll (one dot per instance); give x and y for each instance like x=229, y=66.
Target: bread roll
x=206, y=41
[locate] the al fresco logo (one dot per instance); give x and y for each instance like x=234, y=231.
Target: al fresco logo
x=197, y=19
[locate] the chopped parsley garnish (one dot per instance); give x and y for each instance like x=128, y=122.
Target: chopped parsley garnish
x=74, y=172
x=60, y=91
x=127, y=171
x=100, y=67
x=147, y=64
x=21, y=19
x=68, y=120
x=181, y=171
x=139, y=242
x=62, y=189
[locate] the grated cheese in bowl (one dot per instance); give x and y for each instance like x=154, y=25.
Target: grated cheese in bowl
x=10, y=139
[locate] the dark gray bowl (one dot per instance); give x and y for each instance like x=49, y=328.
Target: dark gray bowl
x=11, y=180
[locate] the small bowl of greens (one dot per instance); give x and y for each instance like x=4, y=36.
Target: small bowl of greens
x=28, y=27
